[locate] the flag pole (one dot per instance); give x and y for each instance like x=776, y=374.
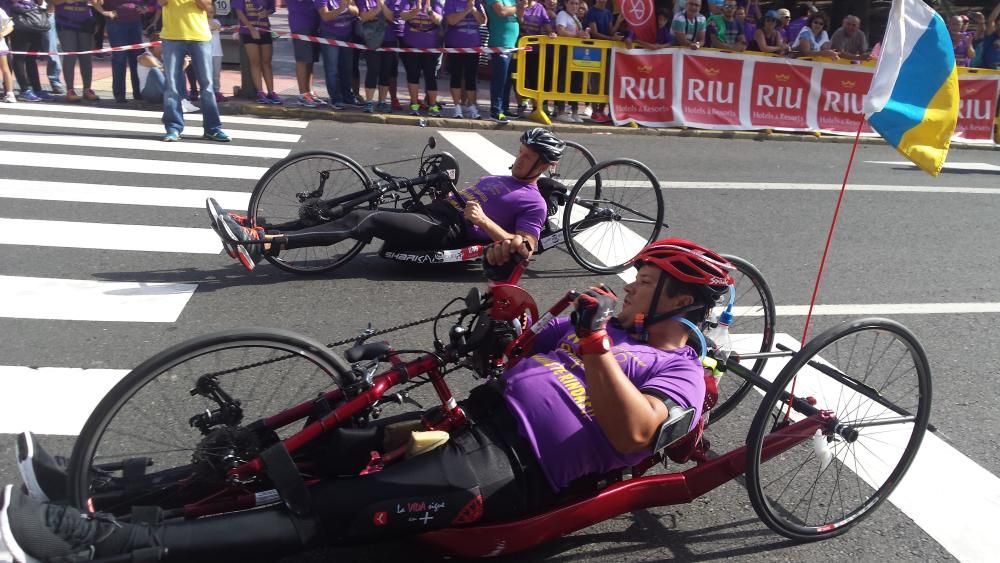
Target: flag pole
x=833, y=224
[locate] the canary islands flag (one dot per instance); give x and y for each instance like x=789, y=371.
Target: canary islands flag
x=913, y=101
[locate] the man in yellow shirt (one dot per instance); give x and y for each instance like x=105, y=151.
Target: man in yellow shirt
x=186, y=33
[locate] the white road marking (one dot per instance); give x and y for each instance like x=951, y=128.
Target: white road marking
x=119, y=195
x=761, y=186
x=221, y=149
x=959, y=516
x=91, y=300
x=28, y=401
x=188, y=117
x=876, y=309
x=133, y=127
x=969, y=166
x=494, y=160
x=491, y=158
x=107, y=236
x=129, y=165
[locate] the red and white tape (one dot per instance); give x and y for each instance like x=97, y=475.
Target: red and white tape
x=310, y=38
x=105, y=50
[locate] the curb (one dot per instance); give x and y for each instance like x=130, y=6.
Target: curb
x=520, y=125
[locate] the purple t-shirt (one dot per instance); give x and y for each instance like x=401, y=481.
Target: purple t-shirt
x=394, y=29
x=302, y=16
x=76, y=14
x=421, y=31
x=340, y=27
x=536, y=21
x=126, y=11
x=664, y=36
x=464, y=33
x=512, y=204
x=256, y=12
x=548, y=395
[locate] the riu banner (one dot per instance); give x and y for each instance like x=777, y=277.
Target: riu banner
x=711, y=90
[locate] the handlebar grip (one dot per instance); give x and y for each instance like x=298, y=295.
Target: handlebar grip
x=505, y=271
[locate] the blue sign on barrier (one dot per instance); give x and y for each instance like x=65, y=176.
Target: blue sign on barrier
x=587, y=57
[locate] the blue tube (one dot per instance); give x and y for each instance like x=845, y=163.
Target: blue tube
x=697, y=332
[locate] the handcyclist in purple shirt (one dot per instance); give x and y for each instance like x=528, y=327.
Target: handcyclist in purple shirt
x=595, y=396
x=496, y=208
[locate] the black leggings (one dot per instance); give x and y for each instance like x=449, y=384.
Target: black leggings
x=426, y=63
x=463, y=65
x=485, y=473
x=382, y=66
x=26, y=66
x=436, y=226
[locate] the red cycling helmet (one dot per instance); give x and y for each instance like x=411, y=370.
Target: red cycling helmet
x=686, y=262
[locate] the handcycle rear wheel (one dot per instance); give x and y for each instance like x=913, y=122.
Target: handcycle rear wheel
x=614, y=210
x=285, y=198
x=576, y=160
x=752, y=330
x=873, y=376
x=147, y=416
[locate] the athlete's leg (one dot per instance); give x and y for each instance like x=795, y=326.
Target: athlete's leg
x=414, y=229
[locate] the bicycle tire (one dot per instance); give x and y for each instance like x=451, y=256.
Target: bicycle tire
x=733, y=389
x=157, y=394
x=275, y=203
x=575, y=162
x=588, y=242
x=823, y=381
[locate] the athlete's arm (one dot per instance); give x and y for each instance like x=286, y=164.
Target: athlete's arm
x=629, y=418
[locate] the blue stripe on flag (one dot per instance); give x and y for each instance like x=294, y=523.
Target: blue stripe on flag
x=919, y=80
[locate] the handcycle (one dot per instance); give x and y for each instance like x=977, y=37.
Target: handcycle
x=834, y=434
x=604, y=213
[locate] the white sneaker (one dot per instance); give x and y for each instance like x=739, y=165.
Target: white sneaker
x=456, y=112
x=471, y=112
x=188, y=107
x=10, y=98
x=577, y=118
x=588, y=111
x=565, y=118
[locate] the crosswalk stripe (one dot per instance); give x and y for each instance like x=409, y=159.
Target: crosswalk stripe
x=96, y=110
x=120, y=195
x=129, y=165
x=141, y=145
x=761, y=186
x=92, y=300
x=28, y=401
x=108, y=236
x=881, y=309
x=132, y=127
x=967, y=166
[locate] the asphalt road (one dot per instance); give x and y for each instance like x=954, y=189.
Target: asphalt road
x=890, y=247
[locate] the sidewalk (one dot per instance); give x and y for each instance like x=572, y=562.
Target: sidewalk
x=283, y=65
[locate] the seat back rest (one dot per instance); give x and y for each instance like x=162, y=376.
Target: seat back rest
x=553, y=192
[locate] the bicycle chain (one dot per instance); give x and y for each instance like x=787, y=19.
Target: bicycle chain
x=333, y=344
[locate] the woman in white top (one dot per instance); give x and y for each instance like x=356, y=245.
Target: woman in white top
x=813, y=40
x=568, y=25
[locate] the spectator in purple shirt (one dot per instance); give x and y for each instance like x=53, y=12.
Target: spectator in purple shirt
x=464, y=18
x=255, y=36
x=303, y=19
x=75, y=24
x=533, y=19
x=423, y=30
x=338, y=17
x=381, y=64
x=124, y=25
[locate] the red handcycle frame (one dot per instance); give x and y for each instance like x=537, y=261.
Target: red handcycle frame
x=509, y=302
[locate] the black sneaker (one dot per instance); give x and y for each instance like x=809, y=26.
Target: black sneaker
x=32, y=531
x=248, y=254
x=44, y=475
x=214, y=212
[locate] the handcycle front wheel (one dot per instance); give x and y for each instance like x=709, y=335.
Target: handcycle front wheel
x=290, y=197
x=614, y=210
x=873, y=377
x=752, y=330
x=139, y=446
x=575, y=161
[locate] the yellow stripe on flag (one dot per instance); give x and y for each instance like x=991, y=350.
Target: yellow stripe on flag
x=926, y=144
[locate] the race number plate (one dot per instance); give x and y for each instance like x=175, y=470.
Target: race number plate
x=223, y=7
